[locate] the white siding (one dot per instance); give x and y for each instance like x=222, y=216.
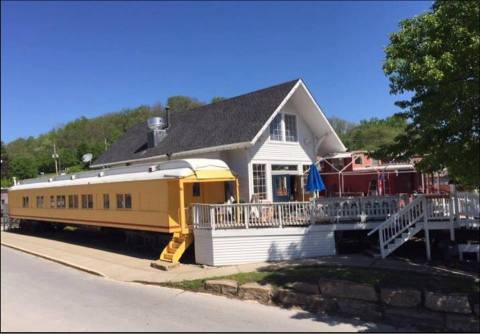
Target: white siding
x=228, y=247
x=301, y=151
x=269, y=152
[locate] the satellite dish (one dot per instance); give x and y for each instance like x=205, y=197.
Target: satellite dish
x=87, y=157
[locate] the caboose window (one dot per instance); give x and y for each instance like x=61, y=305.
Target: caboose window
x=25, y=201
x=87, y=201
x=52, y=201
x=39, y=201
x=106, y=201
x=72, y=201
x=124, y=201
x=61, y=202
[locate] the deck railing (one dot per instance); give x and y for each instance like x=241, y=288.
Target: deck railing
x=439, y=207
x=338, y=209
x=332, y=210
x=467, y=205
x=246, y=215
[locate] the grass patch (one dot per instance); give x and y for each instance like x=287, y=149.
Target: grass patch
x=282, y=276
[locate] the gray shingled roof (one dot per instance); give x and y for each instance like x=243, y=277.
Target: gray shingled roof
x=231, y=121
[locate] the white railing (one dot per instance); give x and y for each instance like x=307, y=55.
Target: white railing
x=423, y=211
x=247, y=215
x=467, y=205
x=399, y=223
x=439, y=207
x=338, y=209
x=397, y=216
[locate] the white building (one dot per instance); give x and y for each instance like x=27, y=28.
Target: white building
x=268, y=138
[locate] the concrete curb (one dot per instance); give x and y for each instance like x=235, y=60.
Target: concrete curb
x=46, y=257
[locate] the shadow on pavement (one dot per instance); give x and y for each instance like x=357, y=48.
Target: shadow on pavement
x=111, y=240
x=338, y=320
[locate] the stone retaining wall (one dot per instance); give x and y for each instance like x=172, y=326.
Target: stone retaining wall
x=399, y=306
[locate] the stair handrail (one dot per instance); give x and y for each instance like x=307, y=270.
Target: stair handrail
x=392, y=218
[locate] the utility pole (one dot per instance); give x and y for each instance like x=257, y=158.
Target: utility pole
x=106, y=144
x=55, y=157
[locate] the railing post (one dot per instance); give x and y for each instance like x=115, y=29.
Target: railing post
x=246, y=216
x=451, y=218
x=425, y=227
x=212, y=218
x=280, y=218
x=456, y=205
x=380, y=238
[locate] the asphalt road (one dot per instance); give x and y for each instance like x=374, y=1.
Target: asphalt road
x=39, y=295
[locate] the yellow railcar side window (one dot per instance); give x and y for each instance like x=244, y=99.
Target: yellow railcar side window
x=124, y=201
x=52, y=202
x=87, y=201
x=61, y=202
x=73, y=201
x=25, y=201
x=128, y=201
x=39, y=201
x=106, y=201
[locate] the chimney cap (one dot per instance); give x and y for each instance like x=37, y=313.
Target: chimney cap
x=156, y=123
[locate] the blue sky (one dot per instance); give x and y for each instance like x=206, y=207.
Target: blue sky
x=63, y=60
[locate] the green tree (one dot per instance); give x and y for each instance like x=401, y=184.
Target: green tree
x=435, y=58
x=182, y=103
x=372, y=134
x=5, y=161
x=216, y=99
x=343, y=128
x=23, y=167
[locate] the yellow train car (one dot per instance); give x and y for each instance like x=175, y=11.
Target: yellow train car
x=147, y=198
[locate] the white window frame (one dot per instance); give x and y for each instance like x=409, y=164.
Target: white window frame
x=283, y=129
x=265, y=181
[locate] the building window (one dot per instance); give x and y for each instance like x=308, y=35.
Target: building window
x=25, y=201
x=196, y=189
x=39, y=201
x=259, y=181
x=291, y=128
x=52, y=202
x=106, y=201
x=358, y=161
x=276, y=128
x=124, y=201
x=73, y=201
x=61, y=203
x=277, y=168
x=87, y=201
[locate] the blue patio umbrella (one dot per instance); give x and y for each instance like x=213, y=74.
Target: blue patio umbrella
x=314, y=181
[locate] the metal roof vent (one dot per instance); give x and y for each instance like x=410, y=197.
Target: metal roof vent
x=156, y=123
x=152, y=168
x=101, y=174
x=50, y=180
x=72, y=177
x=157, y=133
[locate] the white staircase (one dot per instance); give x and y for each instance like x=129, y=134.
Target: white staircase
x=401, y=226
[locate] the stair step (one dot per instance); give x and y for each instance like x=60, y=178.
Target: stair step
x=175, y=244
x=168, y=256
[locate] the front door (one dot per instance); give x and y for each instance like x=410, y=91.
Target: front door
x=281, y=188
